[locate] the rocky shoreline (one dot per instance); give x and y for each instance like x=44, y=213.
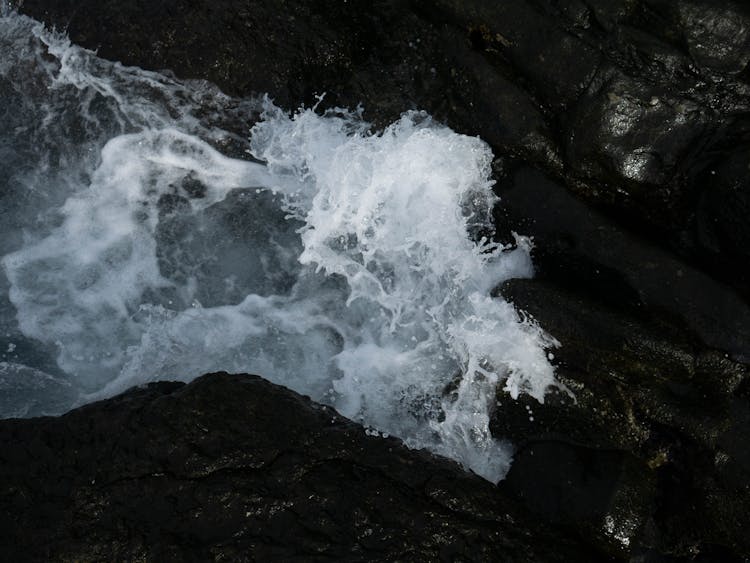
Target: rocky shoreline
x=236, y=468
x=622, y=136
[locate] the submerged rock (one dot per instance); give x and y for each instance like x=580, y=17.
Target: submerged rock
x=26, y=392
x=235, y=468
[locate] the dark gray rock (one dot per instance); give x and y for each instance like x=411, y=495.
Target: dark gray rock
x=631, y=136
x=718, y=36
x=724, y=209
x=578, y=247
x=603, y=495
x=236, y=468
x=529, y=41
x=649, y=443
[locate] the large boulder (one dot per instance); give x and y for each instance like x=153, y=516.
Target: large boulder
x=232, y=467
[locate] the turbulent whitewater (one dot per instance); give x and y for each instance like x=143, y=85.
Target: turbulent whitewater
x=157, y=229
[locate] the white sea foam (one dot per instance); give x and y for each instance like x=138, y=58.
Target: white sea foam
x=344, y=267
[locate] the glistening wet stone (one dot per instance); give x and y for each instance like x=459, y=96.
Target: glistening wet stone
x=232, y=467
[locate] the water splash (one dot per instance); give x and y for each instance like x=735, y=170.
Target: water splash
x=345, y=264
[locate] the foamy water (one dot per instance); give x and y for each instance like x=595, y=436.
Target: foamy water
x=158, y=229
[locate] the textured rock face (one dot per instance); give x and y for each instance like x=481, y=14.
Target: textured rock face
x=654, y=437
x=236, y=468
x=622, y=131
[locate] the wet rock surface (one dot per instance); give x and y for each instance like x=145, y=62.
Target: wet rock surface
x=622, y=131
x=650, y=443
x=231, y=467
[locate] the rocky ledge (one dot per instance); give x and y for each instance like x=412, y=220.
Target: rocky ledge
x=232, y=467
